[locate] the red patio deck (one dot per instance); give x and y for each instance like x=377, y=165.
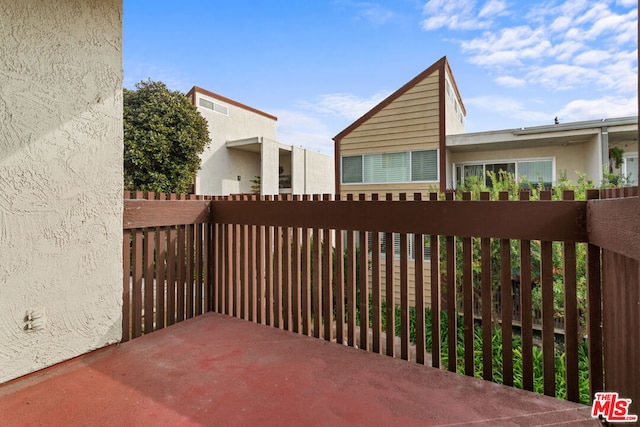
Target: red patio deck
x=217, y=370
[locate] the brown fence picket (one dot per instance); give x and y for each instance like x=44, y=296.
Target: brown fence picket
x=548, y=337
x=404, y=292
x=467, y=297
x=126, y=285
x=339, y=286
x=594, y=318
x=526, y=304
x=148, y=251
x=506, y=299
x=436, y=284
x=364, y=287
x=351, y=285
x=418, y=245
x=277, y=275
x=316, y=280
x=376, y=290
x=452, y=323
x=327, y=289
x=487, y=303
x=571, y=315
x=305, y=294
x=389, y=294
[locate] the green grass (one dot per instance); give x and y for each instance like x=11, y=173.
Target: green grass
x=497, y=361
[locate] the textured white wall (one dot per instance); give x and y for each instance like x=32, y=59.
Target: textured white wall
x=60, y=179
x=219, y=163
x=319, y=173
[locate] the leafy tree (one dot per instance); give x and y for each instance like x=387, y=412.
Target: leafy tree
x=163, y=137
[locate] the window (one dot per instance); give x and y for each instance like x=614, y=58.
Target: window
x=405, y=166
x=351, y=169
x=533, y=171
x=630, y=168
x=396, y=246
x=218, y=108
x=424, y=165
x=387, y=167
x=536, y=172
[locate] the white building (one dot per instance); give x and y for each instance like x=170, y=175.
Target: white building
x=244, y=148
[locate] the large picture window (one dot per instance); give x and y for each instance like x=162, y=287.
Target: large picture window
x=400, y=167
x=532, y=171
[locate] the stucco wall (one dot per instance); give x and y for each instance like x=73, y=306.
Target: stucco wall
x=218, y=163
x=60, y=180
x=319, y=173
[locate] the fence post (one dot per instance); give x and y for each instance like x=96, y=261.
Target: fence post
x=594, y=310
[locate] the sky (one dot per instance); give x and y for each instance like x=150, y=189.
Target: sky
x=318, y=65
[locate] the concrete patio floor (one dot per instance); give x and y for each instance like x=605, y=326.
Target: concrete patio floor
x=217, y=370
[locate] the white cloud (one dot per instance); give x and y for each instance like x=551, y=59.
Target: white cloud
x=587, y=44
x=509, y=81
x=606, y=107
x=346, y=105
x=512, y=109
x=458, y=14
x=562, y=76
x=304, y=130
x=493, y=7
x=591, y=57
x=374, y=13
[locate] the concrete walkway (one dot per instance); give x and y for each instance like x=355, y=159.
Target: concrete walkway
x=216, y=370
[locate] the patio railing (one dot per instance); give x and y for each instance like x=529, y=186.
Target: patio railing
x=277, y=261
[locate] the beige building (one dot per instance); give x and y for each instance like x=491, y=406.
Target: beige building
x=399, y=145
x=244, y=148
x=543, y=153
x=414, y=141
x=61, y=160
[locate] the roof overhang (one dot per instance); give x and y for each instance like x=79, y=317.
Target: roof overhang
x=255, y=143
x=620, y=129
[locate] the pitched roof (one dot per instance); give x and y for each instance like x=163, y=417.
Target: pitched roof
x=439, y=65
x=197, y=89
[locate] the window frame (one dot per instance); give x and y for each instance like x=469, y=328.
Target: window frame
x=214, y=103
x=515, y=160
x=624, y=168
x=410, y=165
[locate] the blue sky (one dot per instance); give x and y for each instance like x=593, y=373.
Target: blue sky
x=318, y=65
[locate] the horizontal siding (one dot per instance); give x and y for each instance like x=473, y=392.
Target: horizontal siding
x=411, y=282
x=409, y=144
x=408, y=123
x=396, y=126
x=415, y=143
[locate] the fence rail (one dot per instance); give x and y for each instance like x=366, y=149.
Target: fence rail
x=296, y=263
x=166, y=244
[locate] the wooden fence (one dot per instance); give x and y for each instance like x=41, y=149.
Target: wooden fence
x=166, y=244
x=269, y=260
